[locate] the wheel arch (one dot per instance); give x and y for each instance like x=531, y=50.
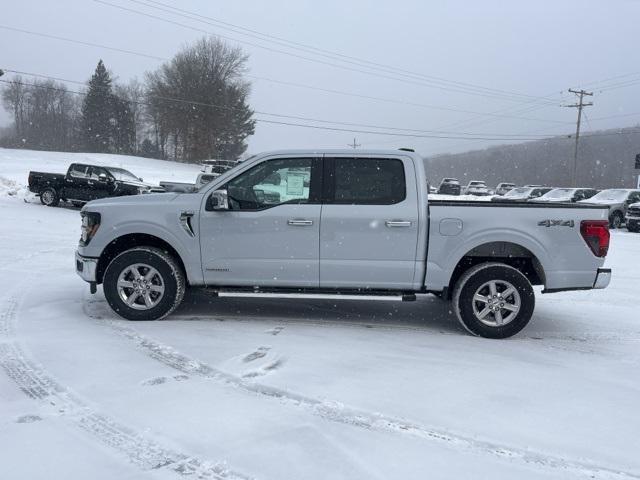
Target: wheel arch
x=132, y=240
x=509, y=253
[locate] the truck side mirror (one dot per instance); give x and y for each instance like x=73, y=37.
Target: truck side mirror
x=218, y=200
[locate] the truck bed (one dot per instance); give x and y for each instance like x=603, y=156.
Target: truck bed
x=548, y=232
x=40, y=180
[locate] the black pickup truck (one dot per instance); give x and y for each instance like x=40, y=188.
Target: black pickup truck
x=83, y=183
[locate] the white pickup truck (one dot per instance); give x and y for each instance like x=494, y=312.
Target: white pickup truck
x=339, y=224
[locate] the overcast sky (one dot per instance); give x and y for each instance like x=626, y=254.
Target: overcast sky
x=532, y=49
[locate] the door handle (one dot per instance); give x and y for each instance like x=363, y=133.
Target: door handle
x=300, y=222
x=397, y=223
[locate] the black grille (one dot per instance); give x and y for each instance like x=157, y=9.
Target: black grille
x=634, y=212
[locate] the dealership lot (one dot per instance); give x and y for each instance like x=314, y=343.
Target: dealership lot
x=275, y=389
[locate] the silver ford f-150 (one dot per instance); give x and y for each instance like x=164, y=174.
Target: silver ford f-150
x=339, y=224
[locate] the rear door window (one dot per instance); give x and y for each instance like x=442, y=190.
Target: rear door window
x=79, y=171
x=367, y=181
x=96, y=172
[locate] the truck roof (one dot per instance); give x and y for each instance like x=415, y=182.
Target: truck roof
x=340, y=151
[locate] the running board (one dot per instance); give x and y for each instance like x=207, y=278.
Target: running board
x=397, y=297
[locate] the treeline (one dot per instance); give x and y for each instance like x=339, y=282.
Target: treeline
x=606, y=160
x=193, y=107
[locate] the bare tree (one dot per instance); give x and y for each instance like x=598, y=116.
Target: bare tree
x=198, y=102
x=45, y=114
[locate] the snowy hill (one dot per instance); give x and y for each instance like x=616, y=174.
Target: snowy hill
x=16, y=164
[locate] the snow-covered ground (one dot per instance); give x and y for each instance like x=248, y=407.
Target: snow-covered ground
x=237, y=389
x=15, y=165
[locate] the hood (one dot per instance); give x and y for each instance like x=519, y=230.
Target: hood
x=134, y=183
x=551, y=200
x=155, y=198
x=602, y=201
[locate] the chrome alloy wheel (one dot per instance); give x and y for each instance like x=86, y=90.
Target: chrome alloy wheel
x=496, y=303
x=140, y=286
x=47, y=197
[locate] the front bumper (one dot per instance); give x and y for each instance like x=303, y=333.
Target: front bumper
x=86, y=267
x=603, y=277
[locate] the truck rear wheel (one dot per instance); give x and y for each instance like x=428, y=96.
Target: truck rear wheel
x=49, y=197
x=144, y=283
x=493, y=300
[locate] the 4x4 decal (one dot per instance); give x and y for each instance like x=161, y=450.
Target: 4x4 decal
x=556, y=223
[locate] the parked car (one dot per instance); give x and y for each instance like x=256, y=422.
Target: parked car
x=618, y=200
x=205, y=178
x=572, y=195
x=178, y=187
x=503, y=188
x=217, y=167
x=343, y=227
x=83, y=183
x=633, y=218
x=522, y=194
x=476, y=187
x=449, y=186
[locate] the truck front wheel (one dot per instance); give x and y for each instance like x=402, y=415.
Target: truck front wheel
x=144, y=283
x=493, y=300
x=49, y=197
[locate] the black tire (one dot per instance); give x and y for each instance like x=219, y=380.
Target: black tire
x=616, y=220
x=49, y=197
x=473, y=281
x=171, y=277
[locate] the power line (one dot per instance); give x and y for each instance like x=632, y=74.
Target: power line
x=271, y=114
x=435, y=107
x=314, y=50
x=354, y=145
x=293, y=124
x=80, y=42
x=337, y=129
x=496, y=114
x=423, y=83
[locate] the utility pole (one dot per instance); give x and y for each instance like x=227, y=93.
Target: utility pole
x=354, y=145
x=580, y=105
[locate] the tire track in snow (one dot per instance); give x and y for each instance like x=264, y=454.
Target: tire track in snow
x=35, y=383
x=339, y=413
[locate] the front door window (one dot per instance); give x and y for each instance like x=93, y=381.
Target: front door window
x=271, y=183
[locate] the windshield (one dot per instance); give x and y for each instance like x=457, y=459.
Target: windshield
x=518, y=192
x=616, y=195
x=559, y=193
x=122, y=174
x=476, y=184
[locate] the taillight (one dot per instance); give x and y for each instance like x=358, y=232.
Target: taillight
x=596, y=234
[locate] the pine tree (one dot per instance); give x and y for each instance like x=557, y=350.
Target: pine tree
x=123, y=134
x=97, y=112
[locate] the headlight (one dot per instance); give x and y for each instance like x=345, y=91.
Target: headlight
x=90, y=225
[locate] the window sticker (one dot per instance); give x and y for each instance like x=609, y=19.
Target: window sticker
x=295, y=183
